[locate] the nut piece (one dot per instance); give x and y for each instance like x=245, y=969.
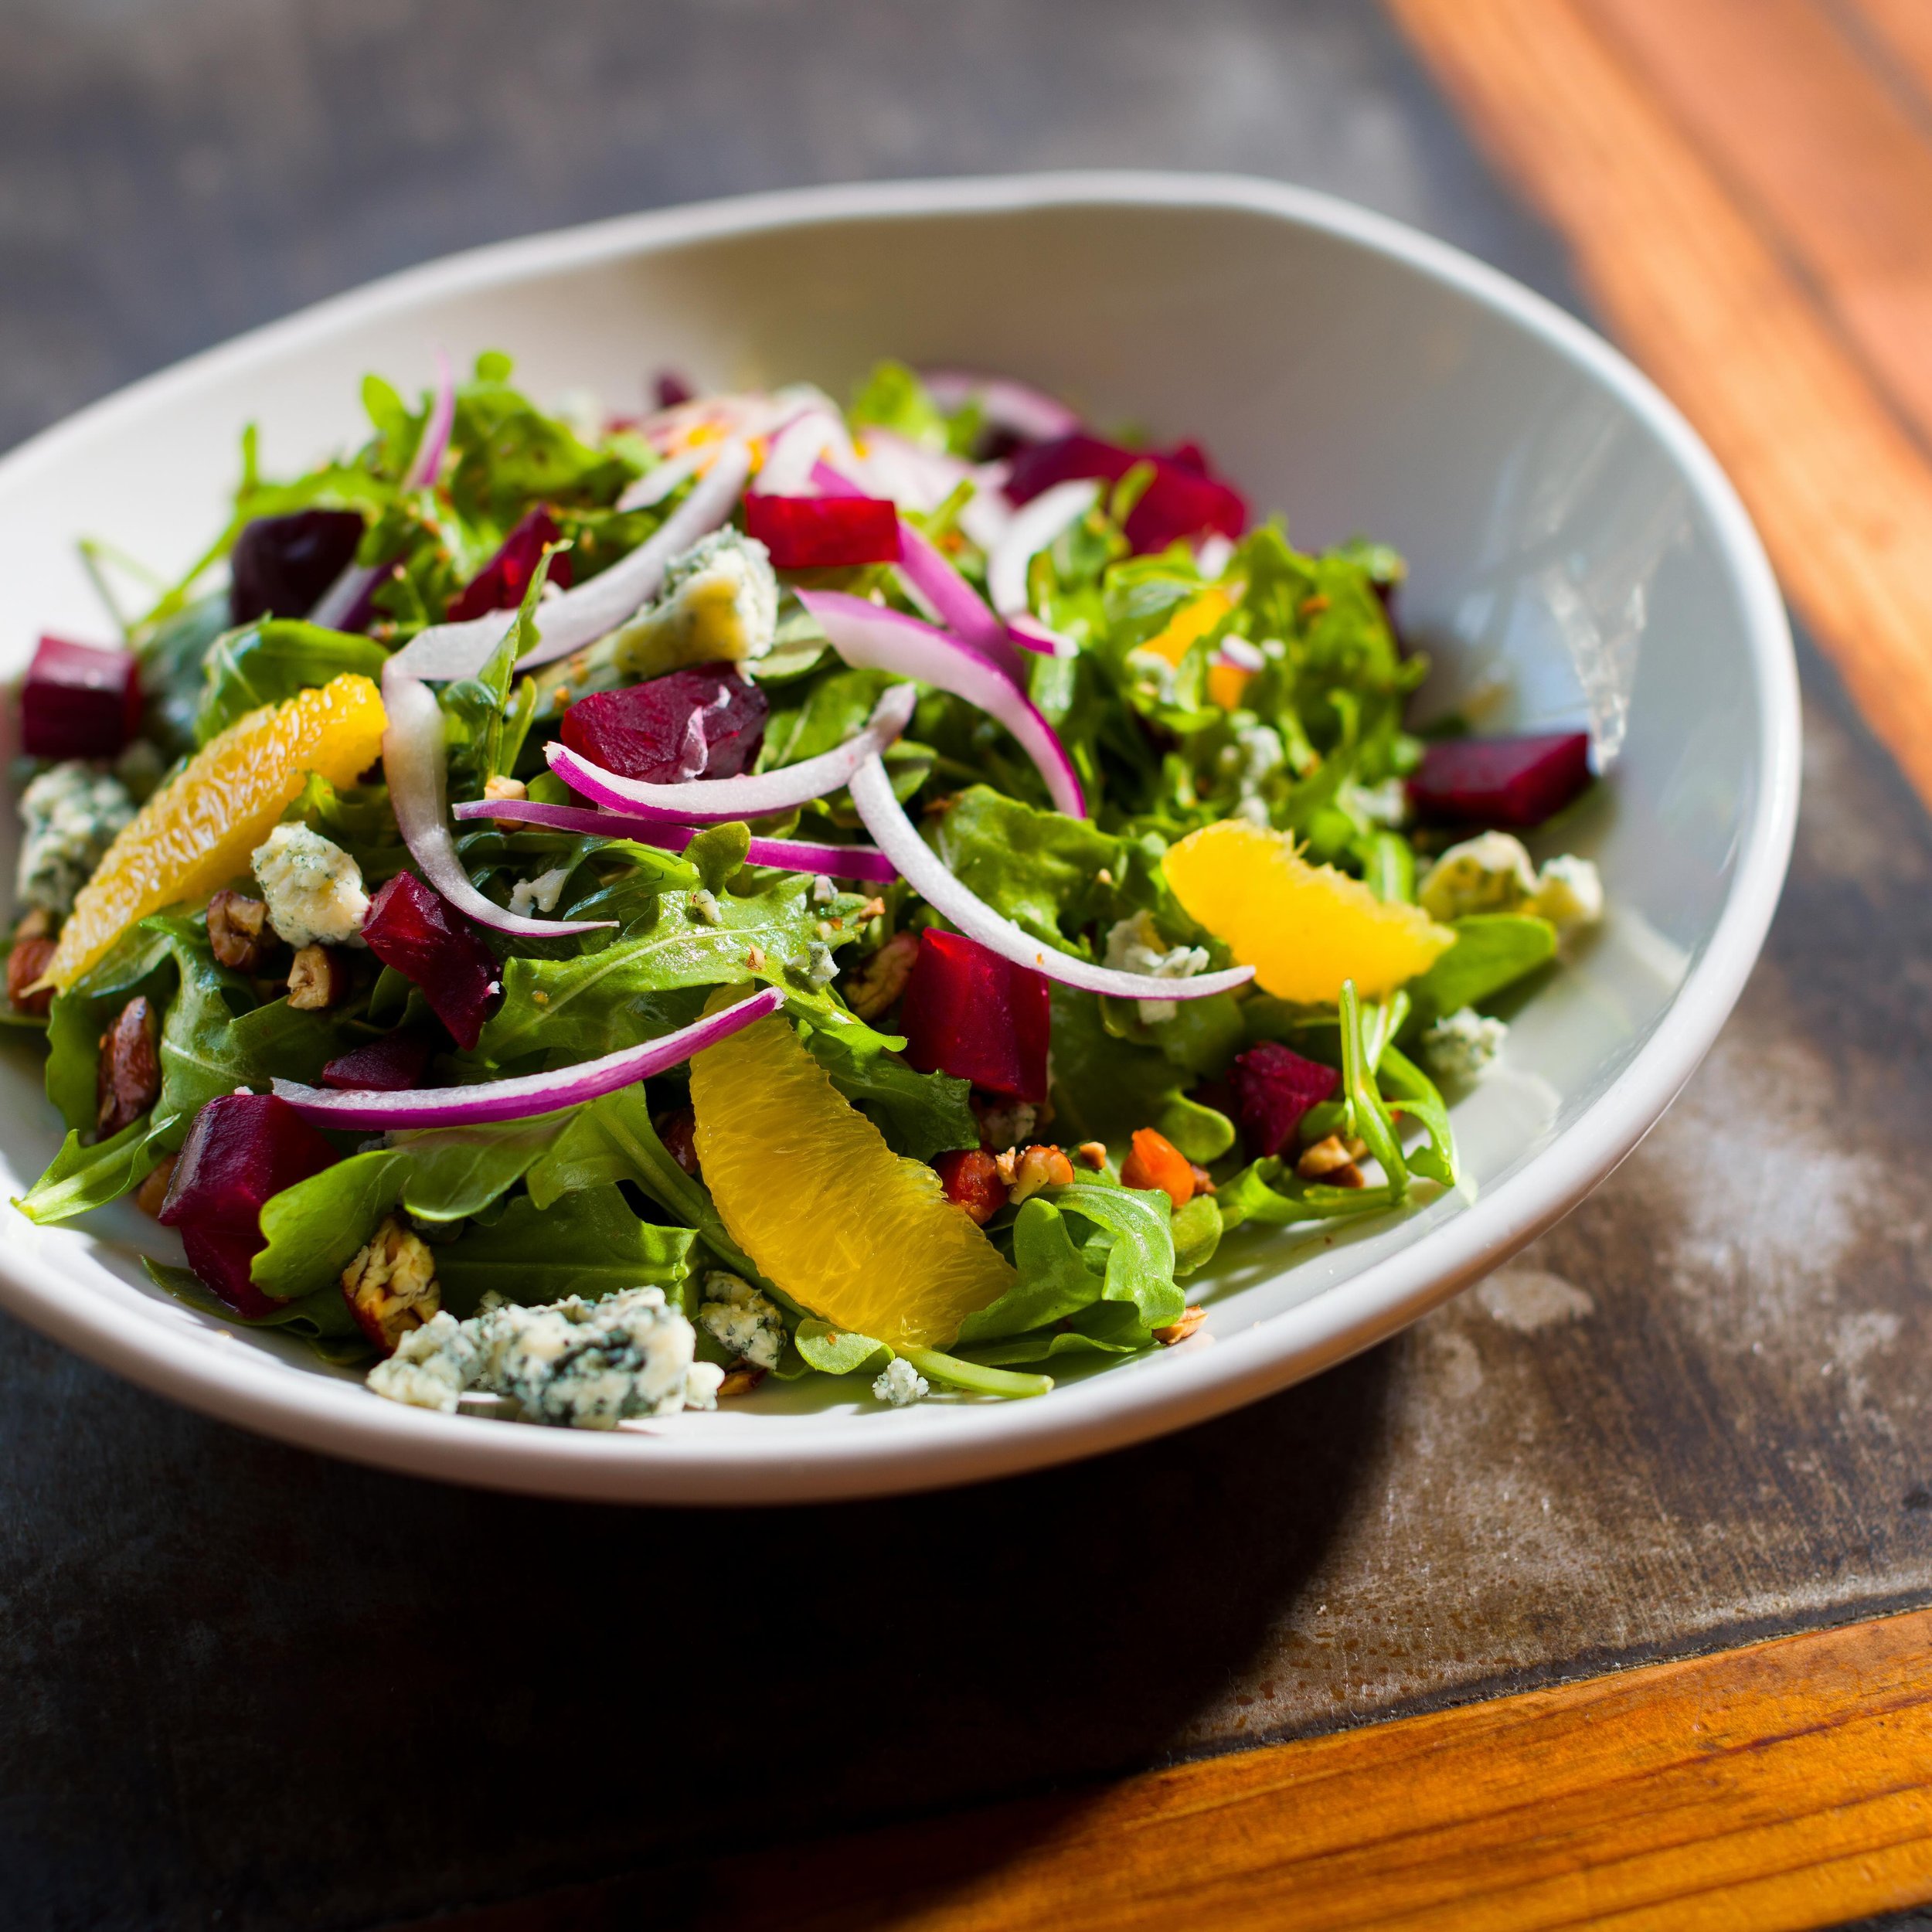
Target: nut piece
x=740, y=1379
x=498, y=786
x=239, y=931
x=317, y=979
x=1032, y=1168
x=880, y=977
x=128, y=1081
x=971, y=1178
x=1092, y=1153
x=1179, y=1331
x=1333, y=1160
x=677, y=1129
x=390, y=1287
x=150, y=1194
x=32, y=947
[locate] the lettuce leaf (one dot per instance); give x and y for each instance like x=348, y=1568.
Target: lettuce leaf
x=589, y=1243
x=267, y=662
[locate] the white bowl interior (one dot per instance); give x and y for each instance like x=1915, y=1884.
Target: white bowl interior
x=1569, y=547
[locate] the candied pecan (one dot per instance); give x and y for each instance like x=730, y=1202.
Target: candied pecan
x=1035, y=1167
x=317, y=979
x=153, y=1191
x=25, y=963
x=239, y=931
x=391, y=1286
x=677, y=1129
x=497, y=786
x=128, y=1081
x=1179, y=1331
x=971, y=1179
x=880, y=977
x=740, y=1379
x=1333, y=1160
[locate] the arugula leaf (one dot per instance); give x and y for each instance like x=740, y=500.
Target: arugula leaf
x=1037, y=867
x=323, y=1319
x=893, y=398
x=919, y=1115
x=81, y=1178
x=1105, y=1088
x=588, y=1243
x=837, y=1352
x=138, y=962
x=171, y=677
x=1492, y=950
x=1197, y=1234
x=267, y=662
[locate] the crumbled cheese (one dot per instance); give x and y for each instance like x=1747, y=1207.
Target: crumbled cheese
x=820, y=968
x=1134, y=945
x=742, y=1319
x=1004, y=1128
x=701, y=1381
x=901, y=1384
x=704, y=904
x=313, y=889
x=70, y=815
x=588, y=1365
x=720, y=602
x=1385, y=806
x=1569, y=893
x=540, y=893
x=823, y=891
x=1490, y=873
x=1463, y=1046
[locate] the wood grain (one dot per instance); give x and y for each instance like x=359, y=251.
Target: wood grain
x=1706, y=295
x=1783, y=1786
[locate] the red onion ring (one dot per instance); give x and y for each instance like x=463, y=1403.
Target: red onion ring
x=1035, y=526
x=1005, y=404
x=792, y=854
x=714, y=801
x=922, y=868
x=518, y=1099
x=872, y=638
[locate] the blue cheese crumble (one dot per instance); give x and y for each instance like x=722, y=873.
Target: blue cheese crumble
x=69, y=816
x=577, y=1364
x=313, y=889
x=901, y=1384
x=742, y=1319
x=720, y=602
x=540, y=894
x=1134, y=945
x=1465, y=1045
x=1492, y=873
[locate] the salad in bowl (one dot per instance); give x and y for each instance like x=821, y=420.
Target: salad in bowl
x=592, y=914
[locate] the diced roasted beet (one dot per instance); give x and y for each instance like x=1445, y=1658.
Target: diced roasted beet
x=1183, y=499
x=80, y=701
x=1273, y=1087
x=969, y=1012
x=412, y=928
x=281, y=565
x=1514, y=782
x=502, y=582
x=242, y=1148
x=823, y=532
x=671, y=389
x=704, y=722
x=385, y=1066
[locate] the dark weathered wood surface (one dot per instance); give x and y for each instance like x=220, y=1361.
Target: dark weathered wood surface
x=252, y=1688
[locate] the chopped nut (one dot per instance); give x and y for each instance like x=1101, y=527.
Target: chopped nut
x=153, y=1191
x=1333, y=1160
x=676, y=1128
x=755, y=959
x=1003, y=1123
x=739, y=1379
x=1093, y=1153
x=1179, y=1331
x=129, y=1079
x=1311, y=607
x=873, y=909
x=317, y=979
x=1037, y=1167
x=239, y=931
x=880, y=977
x=390, y=1287
x=499, y=786
x=1203, y=1180
x=934, y=806
x=972, y=1181
x=25, y=963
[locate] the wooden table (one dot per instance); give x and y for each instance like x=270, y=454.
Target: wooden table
x=1459, y=1635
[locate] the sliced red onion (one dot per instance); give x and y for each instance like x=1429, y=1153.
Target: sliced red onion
x=1005, y=404
x=581, y=616
x=1030, y=635
x=1241, y=654
x=791, y=854
x=654, y=486
x=339, y=601
x=714, y=801
x=518, y=1099
x=415, y=764
x=872, y=637
x=1034, y=526
x=799, y=447
x=1213, y=553
x=922, y=868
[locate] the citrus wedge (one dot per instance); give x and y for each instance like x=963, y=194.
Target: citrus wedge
x=1304, y=929
x=809, y=1189
x=1193, y=621
x=197, y=832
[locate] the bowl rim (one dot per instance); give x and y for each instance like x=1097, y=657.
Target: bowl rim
x=926, y=1448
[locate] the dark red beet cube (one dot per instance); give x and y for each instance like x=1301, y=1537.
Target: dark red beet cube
x=1183, y=499
x=385, y=1066
x=823, y=532
x=969, y=1012
x=242, y=1149
x=80, y=701
x=705, y=722
x=502, y=582
x=1273, y=1087
x=1515, y=782
x=672, y=390
x=412, y=928
x=281, y=565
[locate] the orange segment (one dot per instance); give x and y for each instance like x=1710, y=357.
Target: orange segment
x=1225, y=683
x=809, y=1189
x=196, y=833
x=1304, y=929
x=1193, y=620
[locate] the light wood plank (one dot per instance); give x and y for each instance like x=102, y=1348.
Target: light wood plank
x=1711, y=307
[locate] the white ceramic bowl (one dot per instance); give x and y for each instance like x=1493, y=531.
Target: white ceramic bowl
x=1561, y=521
